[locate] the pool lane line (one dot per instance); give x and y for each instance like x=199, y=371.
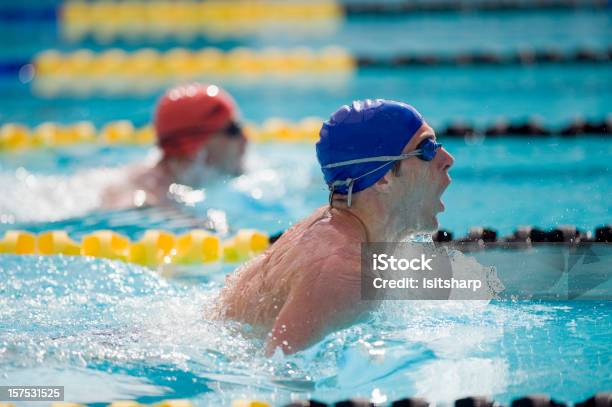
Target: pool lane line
x=526, y=235
x=156, y=247
x=484, y=58
x=390, y=9
x=529, y=234
x=18, y=137
x=401, y=61
x=197, y=246
x=600, y=399
x=15, y=137
x=15, y=13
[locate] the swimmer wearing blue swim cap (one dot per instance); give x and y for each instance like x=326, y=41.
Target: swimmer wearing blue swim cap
x=386, y=174
x=360, y=143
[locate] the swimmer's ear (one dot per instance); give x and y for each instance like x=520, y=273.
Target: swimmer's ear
x=384, y=184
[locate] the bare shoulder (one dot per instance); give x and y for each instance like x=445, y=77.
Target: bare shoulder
x=129, y=190
x=337, y=236
x=334, y=250
x=320, y=247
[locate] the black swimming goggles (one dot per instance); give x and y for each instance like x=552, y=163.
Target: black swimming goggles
x=232, y=130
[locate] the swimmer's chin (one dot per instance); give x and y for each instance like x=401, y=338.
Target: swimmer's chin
x=429, y=226
x=434, y=225
x=440, y=207
x=434, y=221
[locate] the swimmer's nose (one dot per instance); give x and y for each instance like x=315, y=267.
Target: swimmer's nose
x=446, y=159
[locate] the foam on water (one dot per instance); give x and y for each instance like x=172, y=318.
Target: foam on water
x=283, y=183
x=90, y=323
x=37, y=198
x=46, y=186
x=80, y=322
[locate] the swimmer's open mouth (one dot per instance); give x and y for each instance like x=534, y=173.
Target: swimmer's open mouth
x=442, y=189
x=446, y=184
x=448, y=179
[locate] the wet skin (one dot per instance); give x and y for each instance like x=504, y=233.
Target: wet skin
x=308, y=283
x=146, y=185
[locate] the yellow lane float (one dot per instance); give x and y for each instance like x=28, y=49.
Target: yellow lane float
x=125, y=403
x=106, y=244
x=198, y=246
x=113, y=72
x=249, y=403
x=57, y=242
x=18, y=242
x=14, y=136
x=106, y=21
x=173, y=403
x=244, y=245
x=51, y=134
x=155, y=247
x=118, y=132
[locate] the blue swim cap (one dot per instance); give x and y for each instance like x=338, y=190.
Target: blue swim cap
x=367, y=128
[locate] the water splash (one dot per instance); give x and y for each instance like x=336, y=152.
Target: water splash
x=81, y=322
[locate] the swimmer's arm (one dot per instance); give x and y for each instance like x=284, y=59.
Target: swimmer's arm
x=316, y=307
x=129, y=190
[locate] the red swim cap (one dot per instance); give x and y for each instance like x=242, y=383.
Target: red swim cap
x=186, y=116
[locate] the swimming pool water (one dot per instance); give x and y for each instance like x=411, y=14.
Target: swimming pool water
x=430, y=33
x=107, y=330
x=500, y=183
x=554, y=93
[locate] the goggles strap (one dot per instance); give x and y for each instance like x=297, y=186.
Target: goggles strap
x=386, y=158
x=331, y=195
x=349, y=182
x=350, y=192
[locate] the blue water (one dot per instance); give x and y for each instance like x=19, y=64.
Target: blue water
x=553, y=94
x=432, y=33
x=500, y=183
x=108, y=330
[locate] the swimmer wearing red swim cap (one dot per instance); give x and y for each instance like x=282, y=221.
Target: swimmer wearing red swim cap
x=199, y=136
x=386, y=174
x=190, y=117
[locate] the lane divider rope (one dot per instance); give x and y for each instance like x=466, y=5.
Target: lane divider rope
x=412, y=7
x=600, y=399
x=144, y=71
x=200, y=246
x=106, y=21
x=529, y=234
x=155, y=247
x=147, y=70
x=18, y=137
x=138, y=10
